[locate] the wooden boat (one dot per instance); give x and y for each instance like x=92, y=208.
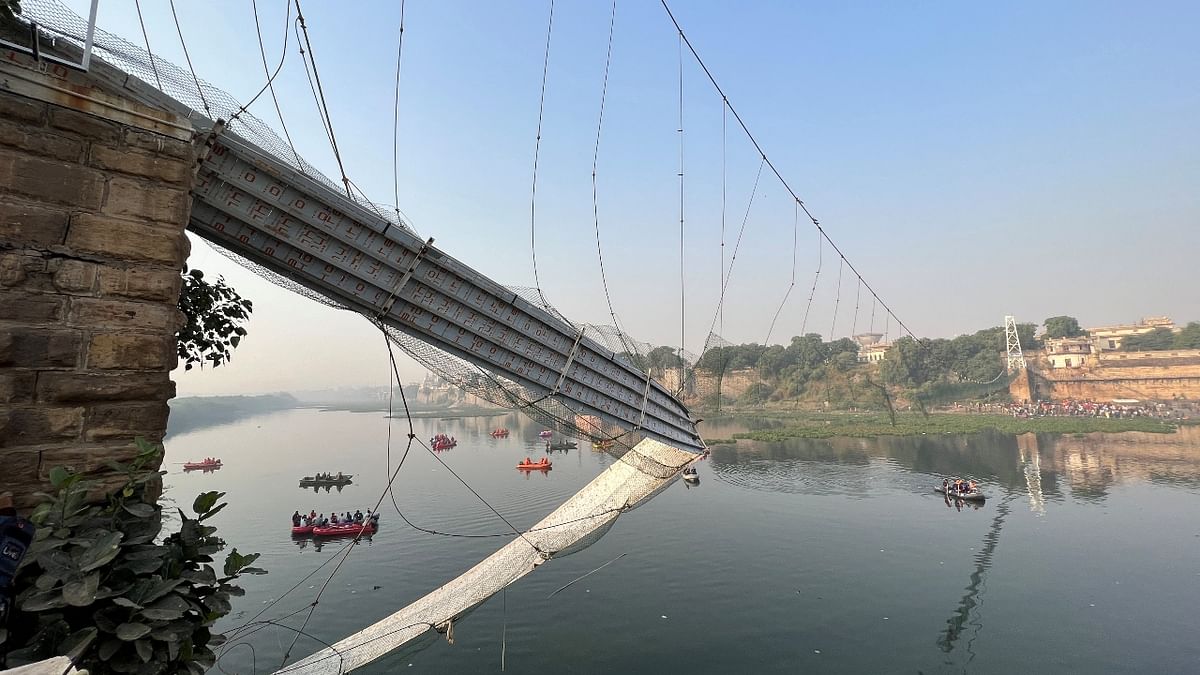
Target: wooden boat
x=344, y=530
x=311, y=481
x=206, y=465
x=974, y=496
x=541, y=465
x=602, y=445
x=564, y=445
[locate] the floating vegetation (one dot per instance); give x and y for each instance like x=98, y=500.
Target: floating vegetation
x=809, y=425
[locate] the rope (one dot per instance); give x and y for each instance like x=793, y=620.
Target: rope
x=816, y=278
x=854, y=323
x=537, y=145
x=724, y=138
x=792, y=284
x=319, y=92
x=737, y=244
x=682, y=284
x=396, y=119
x=153, y=66
x=187, y=56
x=271, y=78
x=778, y=175
x=837, y=300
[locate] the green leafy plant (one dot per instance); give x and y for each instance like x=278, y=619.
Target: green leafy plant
x=95, y=585
x=214, y=315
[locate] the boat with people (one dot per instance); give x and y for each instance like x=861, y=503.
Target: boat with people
x=691, y=475
x=602, y=445
x=209, y=464
x=562, y=445
x=500, y=433
x=323, y=479
x=545, y=433
x=312, y=524
x=957, y=488
x=529, y=465
x=442, y=442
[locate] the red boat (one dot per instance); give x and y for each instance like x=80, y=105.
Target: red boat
x=500, y=433
x=301, y=531
x=208, y=464
x=541, y=465
x=340, y=530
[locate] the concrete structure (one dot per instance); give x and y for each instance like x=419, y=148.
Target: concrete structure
x=871, y=347
x=1109, y=338
x=1106, y=376
x=94, y=197
x=1068, y=352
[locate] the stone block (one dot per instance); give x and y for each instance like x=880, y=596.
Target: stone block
x=33, y=348
x=85, y=458
x=20, y=475
x=116, y=351
x=43, y=424
x=62, y=387
x=111, y=314
x=48, y=180
x=31, y=224
x=74, y=276
x=31, y=308
x=126, y=421
x=141, y=283
x=141, y=163
x=159, y=144
x=135, y=199
x=17, y=386
x=23, y=109
x=127, y=239
x=83, y=124
x=39, y=142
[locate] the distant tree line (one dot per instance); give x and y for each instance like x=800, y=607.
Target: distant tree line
x=1163, y=338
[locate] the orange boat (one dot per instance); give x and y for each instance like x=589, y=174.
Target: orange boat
x=529, y=465
x=500, y=433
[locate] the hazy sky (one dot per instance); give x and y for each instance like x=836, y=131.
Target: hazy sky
x=971, y=159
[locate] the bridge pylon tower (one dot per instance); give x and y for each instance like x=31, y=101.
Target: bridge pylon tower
x=1016, y=359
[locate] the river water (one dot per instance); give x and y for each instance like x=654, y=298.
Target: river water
x=829, y=556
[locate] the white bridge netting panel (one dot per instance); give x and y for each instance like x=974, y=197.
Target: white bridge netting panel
x=641, y=473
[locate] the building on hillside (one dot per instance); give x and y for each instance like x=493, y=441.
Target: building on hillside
x=871, y=347
x=1071, y=352
x=1109, y=338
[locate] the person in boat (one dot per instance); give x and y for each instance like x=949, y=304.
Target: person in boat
x=312, y=515
x=296, y=519
x=303, y=521
x=945, y=485
x=971, y=486
x=374, y=518
x=358, y=516
x=334, y=519
x=527, y=461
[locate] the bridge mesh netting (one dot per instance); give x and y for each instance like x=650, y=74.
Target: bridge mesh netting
x=644, y=466
x=208, y=102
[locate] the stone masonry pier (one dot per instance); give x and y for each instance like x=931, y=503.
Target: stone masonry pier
x=94, y=198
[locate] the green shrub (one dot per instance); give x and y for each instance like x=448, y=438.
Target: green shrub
x=95, y=586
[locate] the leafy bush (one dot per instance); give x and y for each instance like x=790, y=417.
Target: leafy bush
x=97, y=588
x=214, y=314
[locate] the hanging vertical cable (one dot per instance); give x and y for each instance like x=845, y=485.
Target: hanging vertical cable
x=816, y=278
x=857, y=293
x=396, y=119
x=837, y=299
x=262, y=50
x=320, y=94
x=183, y=43
x=537, y=145
x=595, y=163
x=873, y=301
x=153, y=66
x=792, y=283
x=724, y=138
x=682, y=284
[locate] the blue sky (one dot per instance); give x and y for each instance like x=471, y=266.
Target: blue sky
x=972, y=159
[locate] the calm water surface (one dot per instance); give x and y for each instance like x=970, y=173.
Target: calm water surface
x=807, y=556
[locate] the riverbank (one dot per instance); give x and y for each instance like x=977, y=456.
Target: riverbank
x=780, y=426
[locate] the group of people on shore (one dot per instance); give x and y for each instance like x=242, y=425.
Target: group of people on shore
x=347, y=518
x=1080, y=408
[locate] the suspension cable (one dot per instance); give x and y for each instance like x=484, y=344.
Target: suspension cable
x=199, y=89
x=153, y=66
x=537, y=145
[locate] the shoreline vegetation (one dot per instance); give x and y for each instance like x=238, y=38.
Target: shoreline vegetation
x=782, y=426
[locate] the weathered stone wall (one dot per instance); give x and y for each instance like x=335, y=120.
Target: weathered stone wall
x=1161, y=376
x=92, y=216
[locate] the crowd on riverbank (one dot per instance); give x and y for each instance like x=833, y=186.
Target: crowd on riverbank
x=1085, y=408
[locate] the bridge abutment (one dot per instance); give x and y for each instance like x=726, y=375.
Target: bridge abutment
x=94, y=199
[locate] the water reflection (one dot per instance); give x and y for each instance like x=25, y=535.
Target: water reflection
x=967, y=611
x=1045, y=467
